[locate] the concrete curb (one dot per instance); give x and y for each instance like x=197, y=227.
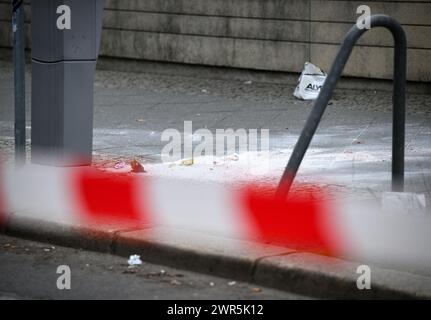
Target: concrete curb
x=265, y=265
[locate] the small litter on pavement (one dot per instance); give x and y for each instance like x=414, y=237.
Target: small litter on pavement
x=187, y=162
x=233, y=157
x=134, y=260
x=175, y=282
x=119, y=165
x=137, y=167
x=310, y=82
x=232, y=283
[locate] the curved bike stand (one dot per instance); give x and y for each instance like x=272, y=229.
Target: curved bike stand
x=399, y=101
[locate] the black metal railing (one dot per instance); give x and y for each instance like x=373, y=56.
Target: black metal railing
x=399, y=101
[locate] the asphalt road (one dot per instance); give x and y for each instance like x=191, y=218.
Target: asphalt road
x=28, y=270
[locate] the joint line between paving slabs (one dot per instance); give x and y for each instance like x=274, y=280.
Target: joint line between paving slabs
x=258, y=260
x=113, y=244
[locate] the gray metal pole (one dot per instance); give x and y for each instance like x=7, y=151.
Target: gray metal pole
x=19, y=79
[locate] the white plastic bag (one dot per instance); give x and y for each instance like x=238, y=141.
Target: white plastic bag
x=310, y=82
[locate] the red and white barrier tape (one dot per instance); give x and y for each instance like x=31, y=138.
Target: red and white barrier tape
x=304, y=222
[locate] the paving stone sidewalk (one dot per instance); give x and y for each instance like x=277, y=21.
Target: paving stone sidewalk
x=351, y=151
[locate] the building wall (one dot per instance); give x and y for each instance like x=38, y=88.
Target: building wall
x=278, y=35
